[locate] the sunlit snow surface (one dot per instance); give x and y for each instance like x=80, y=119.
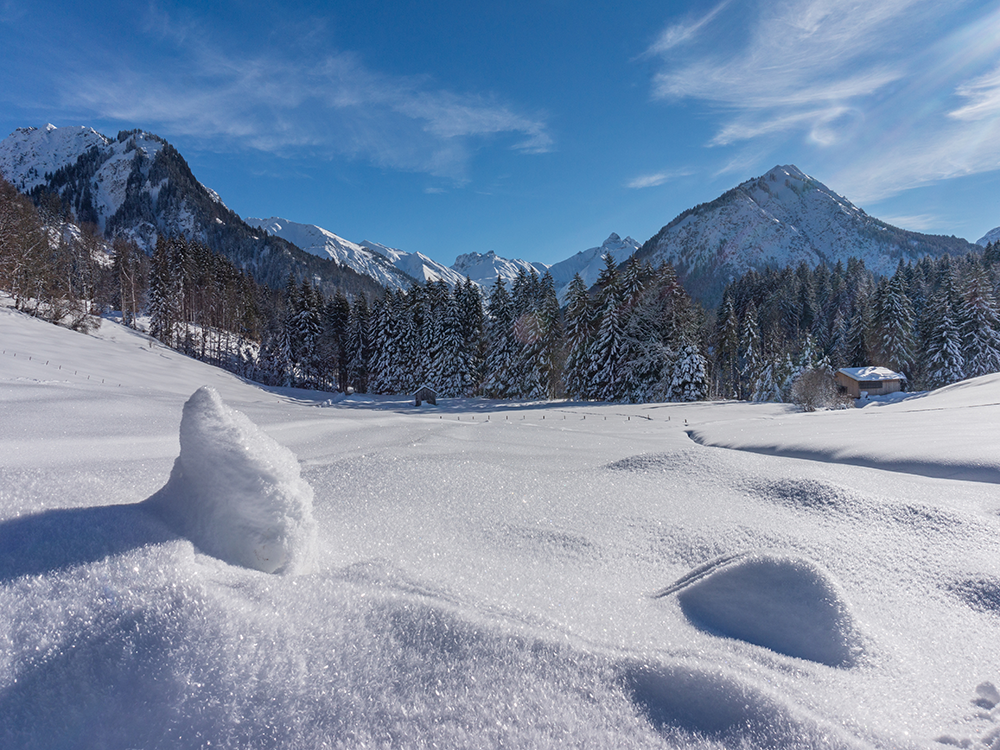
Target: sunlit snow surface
x=487, y=574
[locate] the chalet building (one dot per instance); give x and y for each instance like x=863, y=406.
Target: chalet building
x=425, y=393
x=869, y=381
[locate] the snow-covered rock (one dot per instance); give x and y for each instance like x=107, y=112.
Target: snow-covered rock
x=236, y=493
x=417, y=265
x=588, y=263
x=485, y=268
x=782, y=218
x=785, y=603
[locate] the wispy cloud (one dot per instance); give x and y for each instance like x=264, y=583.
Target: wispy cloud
x=914, y=222
x=680, y=33
x=658, y=178
x=983, y=95
x=899, y=93
x=333, y=104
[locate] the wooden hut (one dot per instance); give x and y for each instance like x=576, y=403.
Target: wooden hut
x=870, y=381
x=425, y=393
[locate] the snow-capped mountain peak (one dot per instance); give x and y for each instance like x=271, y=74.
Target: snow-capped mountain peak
x=325, y=244
x=991, y=236
x=782, y=218
x=588, y=263
x=485, y=268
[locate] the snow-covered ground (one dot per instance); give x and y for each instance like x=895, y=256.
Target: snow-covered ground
x=484, y=574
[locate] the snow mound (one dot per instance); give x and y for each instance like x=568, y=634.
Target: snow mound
x=236, y=493
x=727, y=708
x=787, y=604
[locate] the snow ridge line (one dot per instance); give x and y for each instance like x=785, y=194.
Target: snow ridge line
x=30, y=357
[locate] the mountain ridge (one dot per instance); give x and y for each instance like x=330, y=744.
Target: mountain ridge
x=138, y=186
x=783, y=217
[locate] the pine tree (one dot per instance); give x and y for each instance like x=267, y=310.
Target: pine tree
x=727, y=349
x=501, y=346
x=750, y=351
x=579, y=330
x=980, y=324
x=162, y=311
x=450, y=367
x=945, y=362
x=689, y=380
x=358, y=345
x=606, y=349
x=893, y=325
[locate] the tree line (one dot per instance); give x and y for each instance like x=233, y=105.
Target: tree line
x=936, y=321
x=636, y=336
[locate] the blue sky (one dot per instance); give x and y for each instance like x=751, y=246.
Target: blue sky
x=533, y=129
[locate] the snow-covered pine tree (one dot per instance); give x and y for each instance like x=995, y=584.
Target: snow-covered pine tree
x=750, y=353
x=549, y=323
x=893, y=324
x=727, y=349
x=358, y=345
x=579, y=330
x=857, y=337
x=643, y=354
x=944, y=362
x=472, y=320
x=690, y=382
x=304, y=333
x=335, y=357
x=980, y=323
x=162, y=311
x=501, y=345
x=451, y=369
x=605, y=348
x=765, y=387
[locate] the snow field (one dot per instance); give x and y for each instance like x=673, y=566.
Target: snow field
x=477, y=583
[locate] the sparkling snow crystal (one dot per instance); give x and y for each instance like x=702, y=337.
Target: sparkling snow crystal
x=236, y=493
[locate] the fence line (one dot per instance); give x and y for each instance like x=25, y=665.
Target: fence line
x=59, y=367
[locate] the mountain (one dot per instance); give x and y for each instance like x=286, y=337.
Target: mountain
x=391, y=268
x=325, y=244
x=417, y=265
x=991, y=236
x=782, y=218
x=139, y=186
x=485, y=268
x=588, y=263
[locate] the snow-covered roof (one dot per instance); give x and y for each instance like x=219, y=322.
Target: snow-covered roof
x=871, y=373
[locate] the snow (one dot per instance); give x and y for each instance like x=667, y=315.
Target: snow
x=590, y=263
x=786, y=604
x=485, y=574
x=871, y=373
x=782, y=218
x=991, y=236
x=236, y=493
x=486, y=268
x=326, y=244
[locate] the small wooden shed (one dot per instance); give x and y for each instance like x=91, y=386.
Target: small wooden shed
x=425, y=393
x=870, y=381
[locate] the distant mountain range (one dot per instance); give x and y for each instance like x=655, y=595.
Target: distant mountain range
x=139, y=186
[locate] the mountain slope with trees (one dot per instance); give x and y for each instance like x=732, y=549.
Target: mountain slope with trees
x=778, y=220
x=138, y=187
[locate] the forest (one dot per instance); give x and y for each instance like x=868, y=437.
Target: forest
x=636, y=336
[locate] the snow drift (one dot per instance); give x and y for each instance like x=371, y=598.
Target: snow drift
x=787, y=604
x=236, y=493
